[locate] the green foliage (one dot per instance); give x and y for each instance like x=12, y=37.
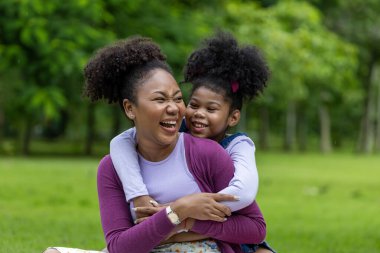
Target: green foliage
x=303, y=55
x=48, y=45
x=45, y=45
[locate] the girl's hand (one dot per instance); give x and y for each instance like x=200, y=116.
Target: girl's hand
x=146, y=211
x=143, y=201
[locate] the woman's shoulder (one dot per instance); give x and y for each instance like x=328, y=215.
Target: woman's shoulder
x=106, y=168
x=192, y=142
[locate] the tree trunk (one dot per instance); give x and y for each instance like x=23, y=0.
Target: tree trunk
x=242, y=126
x=366, y=134
x=290, y=128
x=26, y=136
x=377, y=142
x=263, y=128
x=302, y=131
x=1, y=126
x=90, y=135
x=325, y=128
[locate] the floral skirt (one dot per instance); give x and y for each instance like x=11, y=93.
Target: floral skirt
x=203, y=246
x=73, y=250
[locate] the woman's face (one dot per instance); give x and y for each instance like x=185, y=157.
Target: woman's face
x=208, y=114
x=159, y=109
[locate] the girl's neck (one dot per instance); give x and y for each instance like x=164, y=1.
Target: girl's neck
x=154, y=152
x=220, y=137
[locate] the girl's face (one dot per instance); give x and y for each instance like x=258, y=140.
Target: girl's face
x=159, y=110
x=208, y=114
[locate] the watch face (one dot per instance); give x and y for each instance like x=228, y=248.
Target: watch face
x=173, y=217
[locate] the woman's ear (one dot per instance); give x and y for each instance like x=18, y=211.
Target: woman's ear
x=234, y=118
x=128, y=109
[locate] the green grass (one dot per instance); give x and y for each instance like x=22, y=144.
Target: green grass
x=311, y=202
x=316, y=203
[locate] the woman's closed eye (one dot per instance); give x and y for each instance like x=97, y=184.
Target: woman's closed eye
x=178, y=99
x=159, y=99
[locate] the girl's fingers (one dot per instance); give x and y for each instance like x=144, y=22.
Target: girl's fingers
x=148, y=210
x=139, y=220
x=154, y=203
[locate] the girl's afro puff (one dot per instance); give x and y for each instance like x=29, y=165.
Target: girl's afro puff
x=221, y=58
x=107, y=70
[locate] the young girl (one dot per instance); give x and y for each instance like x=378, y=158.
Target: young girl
x=222, y=75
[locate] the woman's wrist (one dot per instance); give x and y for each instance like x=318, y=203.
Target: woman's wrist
x=179, y=207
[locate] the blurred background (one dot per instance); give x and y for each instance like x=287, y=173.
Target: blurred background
x=316, y=127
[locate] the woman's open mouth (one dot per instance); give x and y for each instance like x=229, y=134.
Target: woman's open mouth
x=168, y=124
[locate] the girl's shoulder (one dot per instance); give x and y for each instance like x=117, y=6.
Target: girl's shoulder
x=235, y=139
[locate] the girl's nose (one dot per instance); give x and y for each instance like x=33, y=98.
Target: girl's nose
x=198, y=114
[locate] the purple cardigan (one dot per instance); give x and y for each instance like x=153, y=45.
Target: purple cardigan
x=213, y=169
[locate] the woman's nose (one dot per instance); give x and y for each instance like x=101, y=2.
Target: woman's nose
x=172, y=108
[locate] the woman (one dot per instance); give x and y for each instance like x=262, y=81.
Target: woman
x=176, y=167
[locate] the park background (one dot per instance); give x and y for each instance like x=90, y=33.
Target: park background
x=316, y=127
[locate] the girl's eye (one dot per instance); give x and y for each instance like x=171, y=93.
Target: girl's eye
x=211, y=109
x=193, y=106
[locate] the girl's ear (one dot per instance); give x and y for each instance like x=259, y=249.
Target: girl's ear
x=234, y=118
x=128, y=109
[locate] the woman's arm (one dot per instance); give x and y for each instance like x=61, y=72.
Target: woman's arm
x=213, y=169
x=125, y=159
x=245, y=226
x=245, y=182
x=122, y=235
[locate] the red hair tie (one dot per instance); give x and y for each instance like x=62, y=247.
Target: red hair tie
x=234, y=86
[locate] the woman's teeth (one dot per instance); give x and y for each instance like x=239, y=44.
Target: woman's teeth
x=168, y=124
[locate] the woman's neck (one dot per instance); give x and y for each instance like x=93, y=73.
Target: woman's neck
x=154, y=152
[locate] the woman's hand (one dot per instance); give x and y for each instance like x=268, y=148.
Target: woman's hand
x=203, y=206
x=184, y=237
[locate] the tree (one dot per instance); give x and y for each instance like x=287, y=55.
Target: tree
x=304, y=67
x=358, y=22
x=48, y=43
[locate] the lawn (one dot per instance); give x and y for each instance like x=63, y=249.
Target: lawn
x=312, y=203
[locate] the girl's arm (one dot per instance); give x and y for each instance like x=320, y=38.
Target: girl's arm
x=125, y=159
x=245, y=182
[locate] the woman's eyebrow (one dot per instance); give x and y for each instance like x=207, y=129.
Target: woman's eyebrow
x=165, y=94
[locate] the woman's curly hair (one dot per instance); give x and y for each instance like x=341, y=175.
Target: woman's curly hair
x=115, y=71
x=221, y=62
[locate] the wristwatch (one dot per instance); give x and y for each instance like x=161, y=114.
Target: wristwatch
x=173, y=217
